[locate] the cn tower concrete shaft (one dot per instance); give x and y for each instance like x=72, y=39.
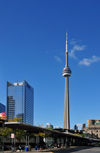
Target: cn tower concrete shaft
x=66, y=123
x=66, y=74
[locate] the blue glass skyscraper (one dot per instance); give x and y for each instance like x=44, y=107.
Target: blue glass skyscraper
x=2, y=108
x=20, y=101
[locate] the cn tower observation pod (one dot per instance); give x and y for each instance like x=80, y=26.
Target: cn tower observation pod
x=66, y=72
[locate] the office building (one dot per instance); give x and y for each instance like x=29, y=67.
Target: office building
x=48, y=125
x=93, y=128
x=66, y=74
x=20, y=100
x=2, y=108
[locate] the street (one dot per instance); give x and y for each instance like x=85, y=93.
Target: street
x=73, y=149
x=79, y=150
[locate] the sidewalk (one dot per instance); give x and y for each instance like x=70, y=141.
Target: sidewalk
x=49, y=150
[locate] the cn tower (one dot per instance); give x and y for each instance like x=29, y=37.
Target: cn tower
x=66, y=74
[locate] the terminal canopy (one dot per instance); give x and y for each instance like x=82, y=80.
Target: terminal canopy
x=35, y=129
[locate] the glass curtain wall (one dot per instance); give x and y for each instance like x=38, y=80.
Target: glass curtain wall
x=20, y=101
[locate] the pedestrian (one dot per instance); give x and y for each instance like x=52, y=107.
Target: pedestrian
x=19, y=147
x=38, y=147
x=66, y=145
x=59, y=144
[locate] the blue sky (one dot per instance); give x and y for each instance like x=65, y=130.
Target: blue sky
x=32, y=47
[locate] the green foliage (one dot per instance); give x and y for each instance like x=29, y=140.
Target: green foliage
x=7, y=131
x=40, y=125
x=40, y=135
x=15, y=119
x=3, y=117
x=83, y=134
x=31, y=135
x=20, y=134
x=50, y=128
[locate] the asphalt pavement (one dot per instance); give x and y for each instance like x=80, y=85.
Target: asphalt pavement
x=72, y=149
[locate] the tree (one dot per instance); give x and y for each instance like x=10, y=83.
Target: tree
x=7, y=131
x=40, y=134
x=51, y=128
x=20, y=134
x=83, y=134
x=40, y=125
x=15, y=119
x=3, y=117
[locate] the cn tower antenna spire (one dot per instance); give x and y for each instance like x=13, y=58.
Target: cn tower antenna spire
x=66, y=49
x=66, y=74
x=66, y=41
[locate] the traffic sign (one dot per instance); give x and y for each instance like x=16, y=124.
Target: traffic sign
x=12, y=135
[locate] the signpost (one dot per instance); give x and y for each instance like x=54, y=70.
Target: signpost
x=12, y=136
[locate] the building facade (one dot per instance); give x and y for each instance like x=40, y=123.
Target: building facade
x=2, y=108
x=48, y=125
x=20, y=101
x=93, y=128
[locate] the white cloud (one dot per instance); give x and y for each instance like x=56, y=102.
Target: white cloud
x=76, y=48
x=87, y=62
x=57, y=59
x=79, y=48
x=73, y=41
x=80, y=125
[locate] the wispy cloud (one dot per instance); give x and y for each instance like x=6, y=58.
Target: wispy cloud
x=87, y=62
x=76, y=48
x=57, y=59
x=73, y=41
x=80, y=125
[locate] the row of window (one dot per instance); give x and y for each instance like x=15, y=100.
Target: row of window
x=95, y=131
